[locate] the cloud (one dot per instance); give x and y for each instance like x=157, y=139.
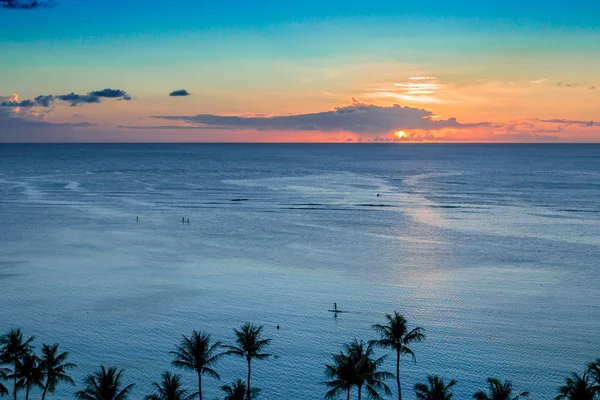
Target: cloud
x=539, y=81
x=592, y=87
x=72, y=98
x=179, y=93
x=418, y=89
x=24, y=4
x=357, y=118
x=571, y=122
x=569, y=85
x=17, y=129
x=111, y=94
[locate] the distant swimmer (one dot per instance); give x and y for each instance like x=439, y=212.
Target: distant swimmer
x=137, y=219
x=188, y=221
x=277, y=326
x=378, y=195
x=182, y=220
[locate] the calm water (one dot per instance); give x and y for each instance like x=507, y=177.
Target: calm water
x=492, y=249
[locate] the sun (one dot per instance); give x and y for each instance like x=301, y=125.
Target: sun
x=399, y=135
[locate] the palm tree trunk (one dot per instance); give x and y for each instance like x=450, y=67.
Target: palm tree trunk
x=15, y=381
x=248, y=391
x=359, y=392
x=348, y=393
x=397, y=374
x=200, y=385
x=27, y=393
x=45, y=389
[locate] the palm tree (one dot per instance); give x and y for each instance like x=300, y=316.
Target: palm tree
x=238, y=391
x=249, y=346
x=499, y=391
x=366, y=371
x=341, y=375
x=169, y=389
x=594, y=370
x=3, y=376
x=435, y=389
x=13, y=348
x=29, y=373
x=104, y=384
x=578, y=387
x=196, y=353
x=55, y=368
x=396, y=336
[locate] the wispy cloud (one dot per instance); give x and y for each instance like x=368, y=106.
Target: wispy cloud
x=179, y=93
x=537, y=81
x=570, y=122
x=418, y=89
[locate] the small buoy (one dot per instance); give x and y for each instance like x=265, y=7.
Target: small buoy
x=277, y=326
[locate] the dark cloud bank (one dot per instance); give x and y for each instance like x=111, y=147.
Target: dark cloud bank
x=357, y=118
x=179, y=93
x=72, y=98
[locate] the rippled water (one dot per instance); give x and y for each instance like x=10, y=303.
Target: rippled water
x=492, y=249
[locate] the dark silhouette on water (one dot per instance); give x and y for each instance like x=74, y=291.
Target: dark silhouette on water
x=196, y=353
x=435, y=389
x=170, y=388
x=137, y=219
x=13, y=349
x=104, y=384
x=54, y=367
x=238, y=391
x=395, y=336
x=499, y=391
x=249, y=346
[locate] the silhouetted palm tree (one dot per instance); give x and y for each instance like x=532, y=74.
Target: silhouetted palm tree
x=169, y=389
x=366, y=370
x=198, y=354
x=104, y=384
x=499, y=391
x=435, y=389
x=3, y=376
x=594, y=371
x=238, y=391
x=396, y=336
x=13, y=348
x=578, y=387
x=341, y=375
x=29, y=373
x=55, y=368
x=249, y=346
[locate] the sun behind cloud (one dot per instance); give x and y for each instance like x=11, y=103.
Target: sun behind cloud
x=400, y=135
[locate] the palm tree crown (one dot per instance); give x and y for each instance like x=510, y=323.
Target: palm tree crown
x=238, y=391
x=499, y=391
x=54, y=367
x=435, y=389
x=249, y=346
x=396, y=336
x=170, y=388
x=29, y=373
x=366, y=369
x=12, y=349
x=104, y=384
x=341, y=375
x=578, y=387
x=3, y=376
x=198, y=354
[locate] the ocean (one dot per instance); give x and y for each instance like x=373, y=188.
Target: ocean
x=492, y=249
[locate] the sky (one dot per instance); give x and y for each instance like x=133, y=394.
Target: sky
x=303, y=71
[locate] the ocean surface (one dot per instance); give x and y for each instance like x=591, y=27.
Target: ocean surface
x=493, y=249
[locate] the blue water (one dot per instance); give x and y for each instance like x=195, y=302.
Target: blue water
x=493, y=249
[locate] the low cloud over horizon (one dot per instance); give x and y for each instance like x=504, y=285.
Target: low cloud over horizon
x=24, y=4
x=179, y=93
x=357, y=118
x=72, y=99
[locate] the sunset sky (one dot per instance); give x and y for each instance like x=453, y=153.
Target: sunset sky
x=282, y=71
